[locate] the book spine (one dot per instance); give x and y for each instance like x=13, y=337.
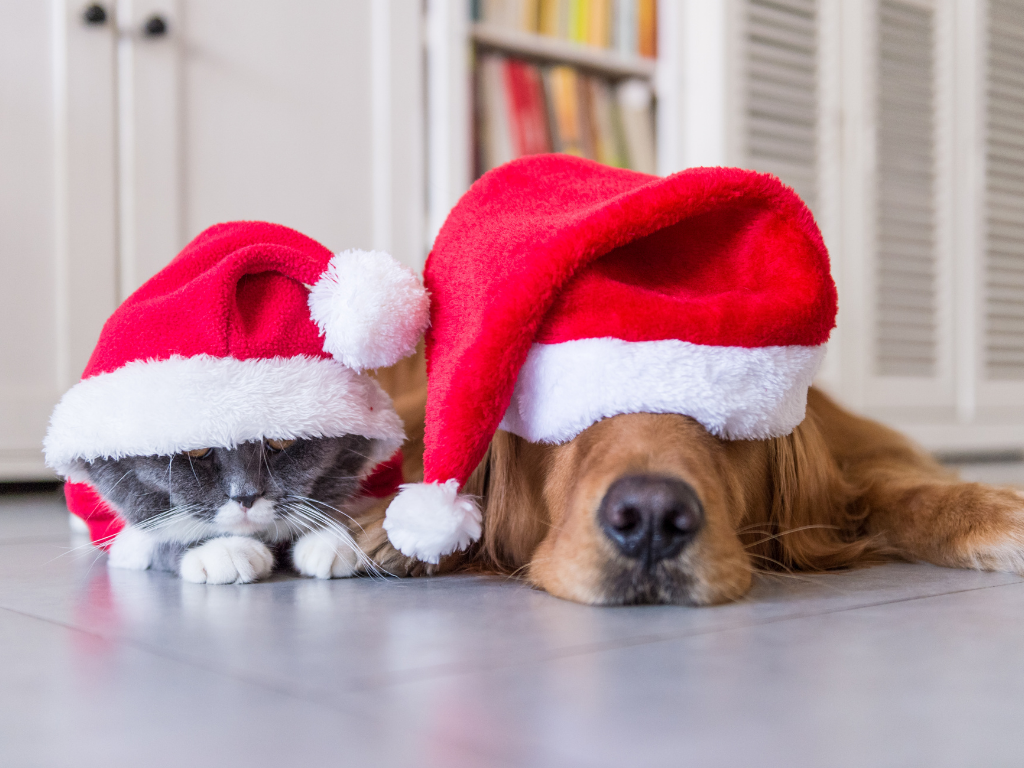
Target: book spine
x=647, y=33
x=537, y=116
x=634, y=97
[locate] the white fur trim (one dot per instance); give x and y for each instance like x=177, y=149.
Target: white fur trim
x=371, y=310
x=430, y=520
x=162, y=407
x=735, y=392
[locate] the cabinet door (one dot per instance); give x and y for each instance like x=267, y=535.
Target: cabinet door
x=305, y=113
x=119, y=145
x=57, y=215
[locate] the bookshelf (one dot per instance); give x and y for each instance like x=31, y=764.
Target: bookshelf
x=552, y=50
x=689, y=80
x=572, y=76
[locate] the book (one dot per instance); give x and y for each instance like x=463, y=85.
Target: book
x=635, y=101
x=565, y=99
x=494, y=112
x=607, y=125
x=647, y=28
x=528, y=116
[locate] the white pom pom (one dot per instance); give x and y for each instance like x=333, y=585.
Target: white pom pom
x=371, y=310
x=430, y=520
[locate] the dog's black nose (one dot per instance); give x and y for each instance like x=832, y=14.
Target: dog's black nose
x=650, y=518
x=246, y=501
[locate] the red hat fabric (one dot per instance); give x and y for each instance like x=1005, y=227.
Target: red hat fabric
x=564, y=292
x=253, y=331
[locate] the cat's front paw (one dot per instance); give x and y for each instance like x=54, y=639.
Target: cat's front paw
x=227, y=560
x=326, y=554
x=131, y=549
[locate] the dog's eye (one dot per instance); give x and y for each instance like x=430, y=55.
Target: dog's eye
x=199, y=453
x=279, y=445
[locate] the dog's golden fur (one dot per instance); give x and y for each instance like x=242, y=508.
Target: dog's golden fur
x=839, y=491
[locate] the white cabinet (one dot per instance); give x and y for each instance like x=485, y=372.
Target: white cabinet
x=118, y=146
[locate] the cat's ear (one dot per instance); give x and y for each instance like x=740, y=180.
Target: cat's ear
x=371, y=310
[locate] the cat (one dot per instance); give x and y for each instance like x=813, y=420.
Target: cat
x=229, y=515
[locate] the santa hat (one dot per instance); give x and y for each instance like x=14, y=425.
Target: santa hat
x=564, y=292
x=254, y=331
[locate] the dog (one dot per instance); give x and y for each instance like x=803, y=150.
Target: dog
x=651, y=508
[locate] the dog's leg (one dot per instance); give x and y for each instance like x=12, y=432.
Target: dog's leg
x=917, y=508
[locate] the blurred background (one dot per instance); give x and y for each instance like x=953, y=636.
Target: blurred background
x=128, y=126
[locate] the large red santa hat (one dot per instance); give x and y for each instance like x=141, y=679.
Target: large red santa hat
x=565, y=292
x=254, y=331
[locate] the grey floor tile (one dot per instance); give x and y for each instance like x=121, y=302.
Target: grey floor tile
x=33, y=517
x=71, y=698
x=930, y=682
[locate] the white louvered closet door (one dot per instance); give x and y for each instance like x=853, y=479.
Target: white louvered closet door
x=780, y=113
x=786, y=86
x=909, y=298
x=1001, y=368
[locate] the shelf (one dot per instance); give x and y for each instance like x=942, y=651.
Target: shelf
x=562, y=51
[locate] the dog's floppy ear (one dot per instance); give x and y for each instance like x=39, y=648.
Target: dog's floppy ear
x=811, y=514
x=510, y=481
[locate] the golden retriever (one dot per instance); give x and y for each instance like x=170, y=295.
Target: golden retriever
x=651, y=508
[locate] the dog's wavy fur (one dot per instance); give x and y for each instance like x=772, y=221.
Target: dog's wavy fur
x=840, y=491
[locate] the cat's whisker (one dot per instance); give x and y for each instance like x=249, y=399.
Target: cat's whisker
x=325, y=504
x=325, y=518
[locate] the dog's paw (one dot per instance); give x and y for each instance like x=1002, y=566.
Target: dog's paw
x=326, y=554
x=227, y=560
x=994, y=538
x=131, y=549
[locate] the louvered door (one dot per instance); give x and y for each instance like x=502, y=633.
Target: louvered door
x=1001, y=367
x=909, y=299
x=780, y=112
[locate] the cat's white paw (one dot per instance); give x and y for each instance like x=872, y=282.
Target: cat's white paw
x=227, y=560
x=325, y=554
x=132, y=549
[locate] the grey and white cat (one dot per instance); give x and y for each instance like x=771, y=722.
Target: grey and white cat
x=219, y=515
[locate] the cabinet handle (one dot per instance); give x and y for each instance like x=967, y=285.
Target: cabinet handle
x=95, y=14
x=155, y=26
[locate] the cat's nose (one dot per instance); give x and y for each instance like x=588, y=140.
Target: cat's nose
x=246, y=501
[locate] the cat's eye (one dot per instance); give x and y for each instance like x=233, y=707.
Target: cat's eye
x=199, y=453
x=279, y=445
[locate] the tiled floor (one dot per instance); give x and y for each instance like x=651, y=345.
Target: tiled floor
x=901, y=665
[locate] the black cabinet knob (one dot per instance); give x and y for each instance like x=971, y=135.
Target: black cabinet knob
x=155, y=26
x=95, y=14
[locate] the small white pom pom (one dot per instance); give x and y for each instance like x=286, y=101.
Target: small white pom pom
x=430, y=520
x=371, y=310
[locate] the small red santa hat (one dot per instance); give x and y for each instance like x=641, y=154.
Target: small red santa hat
x=254, y=331
x=564, y=292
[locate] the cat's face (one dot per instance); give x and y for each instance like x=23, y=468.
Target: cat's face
x=275, y=490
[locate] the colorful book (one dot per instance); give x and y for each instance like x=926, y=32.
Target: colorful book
x=647, y=28
x=565, y=98
x=528, y=117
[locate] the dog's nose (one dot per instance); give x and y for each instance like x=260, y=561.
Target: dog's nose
x=650, y=518
x=246, y=501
